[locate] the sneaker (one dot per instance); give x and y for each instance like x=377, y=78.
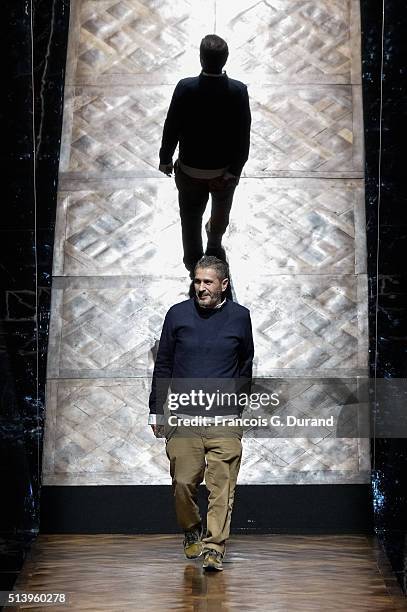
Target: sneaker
x=212, y=560
x=192, y=542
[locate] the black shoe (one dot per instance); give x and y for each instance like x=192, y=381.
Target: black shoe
x=218, y=252
x=190, y=266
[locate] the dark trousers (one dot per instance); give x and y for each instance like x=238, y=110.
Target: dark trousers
x=193, y=196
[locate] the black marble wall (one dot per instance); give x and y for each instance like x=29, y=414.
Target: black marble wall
x=387, y=254
x=29, y=161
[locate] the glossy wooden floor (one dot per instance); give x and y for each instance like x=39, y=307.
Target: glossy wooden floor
x=270, y=573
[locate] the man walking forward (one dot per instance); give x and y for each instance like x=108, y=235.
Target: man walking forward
x=206, y=337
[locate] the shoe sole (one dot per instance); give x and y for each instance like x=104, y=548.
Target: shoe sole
x=212, y=568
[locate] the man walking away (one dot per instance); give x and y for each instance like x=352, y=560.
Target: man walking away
x=209, y=116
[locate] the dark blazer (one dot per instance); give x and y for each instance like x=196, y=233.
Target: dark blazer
x=210, y=119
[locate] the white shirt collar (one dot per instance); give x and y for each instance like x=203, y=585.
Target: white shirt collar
x=217, y=305
x=210, y=74
x=221, y=304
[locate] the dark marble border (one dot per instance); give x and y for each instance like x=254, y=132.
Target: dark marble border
x=26, y=246
x=387, y=244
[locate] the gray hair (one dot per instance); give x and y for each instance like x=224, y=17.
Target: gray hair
x=209, y=261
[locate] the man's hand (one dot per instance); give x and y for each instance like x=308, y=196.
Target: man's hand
x=158, y=431
x=166, y=168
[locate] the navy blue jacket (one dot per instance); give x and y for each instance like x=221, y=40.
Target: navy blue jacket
x=210, y=119
x=199, y=343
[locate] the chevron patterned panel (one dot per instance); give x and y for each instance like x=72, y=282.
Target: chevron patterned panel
x=158, y=41
x=300, y=322
x=116, y=132
x=288, y=41
x=305, y=323
x=295, y=130
x=296, y=226
x=299, y=461
x=100, y=437
x=100, y=434
x=121, y=231
x=109, y=328
x=153, y=38
x=301, y=129
x=304, y=226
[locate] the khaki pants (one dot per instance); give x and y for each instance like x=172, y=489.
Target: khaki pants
x=196, y=453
